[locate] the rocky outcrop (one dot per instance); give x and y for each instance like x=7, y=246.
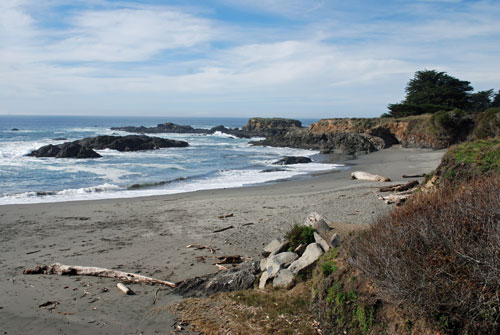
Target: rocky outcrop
x=257, y=124
x=348, y=143
x=289, y=160
x=168, y=127
x=411, y=132
x=85, y=148
x=256, y=127
x=65, y=150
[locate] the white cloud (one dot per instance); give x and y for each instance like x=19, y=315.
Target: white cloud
x=132, y=56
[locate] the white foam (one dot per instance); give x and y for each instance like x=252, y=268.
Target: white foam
x=222, y=179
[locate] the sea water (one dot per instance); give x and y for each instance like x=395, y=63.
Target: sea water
x=210, y=162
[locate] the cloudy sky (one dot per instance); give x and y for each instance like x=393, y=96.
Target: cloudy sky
x=289, y=58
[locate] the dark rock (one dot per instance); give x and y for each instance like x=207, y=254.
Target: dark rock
x=234, y=279
x=168, y=127
x=347, y=143
x=256, y=127
x=273, y=170
x=130, y=143
x=15, y=129
x=65, y=150
x=60, y=139
x=85, y=148
x=288, y=160
x=259, y=124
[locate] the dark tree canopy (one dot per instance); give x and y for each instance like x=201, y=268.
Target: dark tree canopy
x=496, y=100
x=437, y=88
x=430, y=91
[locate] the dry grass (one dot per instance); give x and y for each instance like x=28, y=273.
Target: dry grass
x=251, y=312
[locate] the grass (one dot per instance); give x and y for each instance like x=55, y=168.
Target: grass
x=470, y=160
x=252, y=312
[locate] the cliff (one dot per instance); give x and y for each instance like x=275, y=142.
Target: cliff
x=352, y=136
x=410, y=132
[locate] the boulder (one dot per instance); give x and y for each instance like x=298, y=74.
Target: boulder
x=274, y=263
x=321, y=242
x=288, y=160
x=284, y=279
x=263, y=280
x=234, y=279
x=300, y=249
x=310, y=256
x=334, y=240
x=274, y=247
x=319, y=224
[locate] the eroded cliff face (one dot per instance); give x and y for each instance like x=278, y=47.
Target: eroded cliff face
x=411, y=132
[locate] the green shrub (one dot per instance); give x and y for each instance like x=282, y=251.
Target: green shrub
x=487, y=124
x=300, y=234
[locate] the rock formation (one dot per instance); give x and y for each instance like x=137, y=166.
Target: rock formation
x=85, y=148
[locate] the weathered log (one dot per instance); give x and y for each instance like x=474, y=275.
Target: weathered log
x=124, y=289
x=368, y=176
x=225, y=216
x=413, y=175
x=201, y=246
x=223, y=229
x=399, y=187
x=75, y=270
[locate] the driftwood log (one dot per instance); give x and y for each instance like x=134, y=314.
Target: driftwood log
x=399, y=187
x=368, y=176
x=75, y=270
x=414, y=175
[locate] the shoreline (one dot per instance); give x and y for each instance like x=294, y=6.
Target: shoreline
x=149, y=235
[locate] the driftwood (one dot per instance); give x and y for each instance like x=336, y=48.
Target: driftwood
x=399, y=187
x=225, y=216
x=396, y=198
x=368, y=176
x=229, y=259
x=124, y=289
x=223, y=229
x=221, y=267
x=70, y=270
x=413, y=175
x=201, y=246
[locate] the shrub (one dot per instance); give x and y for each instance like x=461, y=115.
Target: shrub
x=487, y=124
x=300, y=235
x=439, y=256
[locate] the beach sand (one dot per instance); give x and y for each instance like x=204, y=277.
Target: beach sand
x=149, y=236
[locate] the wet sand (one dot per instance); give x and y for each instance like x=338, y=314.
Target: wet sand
x=149, y=236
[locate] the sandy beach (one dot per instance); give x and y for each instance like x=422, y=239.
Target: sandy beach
x=149, y=236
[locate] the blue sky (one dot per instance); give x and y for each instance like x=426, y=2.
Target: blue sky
x=288, y=58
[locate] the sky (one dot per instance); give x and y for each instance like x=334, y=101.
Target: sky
x=238, y=58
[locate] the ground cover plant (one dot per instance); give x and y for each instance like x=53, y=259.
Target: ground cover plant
x=439, y=257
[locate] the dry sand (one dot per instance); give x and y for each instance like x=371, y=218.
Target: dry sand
x=149, y=236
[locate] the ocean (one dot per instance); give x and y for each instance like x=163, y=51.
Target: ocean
x=210, y=162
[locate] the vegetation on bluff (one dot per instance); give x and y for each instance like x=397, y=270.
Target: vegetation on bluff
x=431, y=91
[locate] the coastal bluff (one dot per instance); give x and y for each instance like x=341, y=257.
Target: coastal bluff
x=365, y=135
